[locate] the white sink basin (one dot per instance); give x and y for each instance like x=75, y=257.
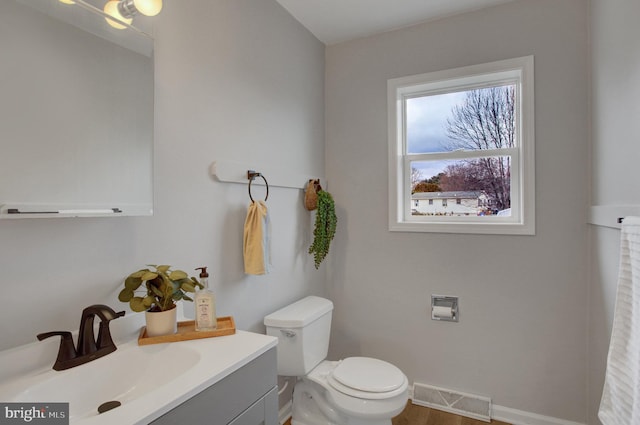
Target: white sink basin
x=147, y=380
x=123, y=376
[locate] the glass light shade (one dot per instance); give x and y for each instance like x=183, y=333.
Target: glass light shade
x=111, y=9
x=67, y=1
x=148, y=7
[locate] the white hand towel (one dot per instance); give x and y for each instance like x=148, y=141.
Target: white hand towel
x=257, y=240
x=620, y=404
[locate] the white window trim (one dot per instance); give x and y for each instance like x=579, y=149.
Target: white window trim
x=523, y=158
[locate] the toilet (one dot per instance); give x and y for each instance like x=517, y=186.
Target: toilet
x=353, y=391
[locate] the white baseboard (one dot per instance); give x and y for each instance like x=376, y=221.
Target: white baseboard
x=285, y=413
x=499, y=413
x=520, y=417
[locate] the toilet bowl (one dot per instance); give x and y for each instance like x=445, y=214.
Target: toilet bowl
x=353, y=391
x=338, y=392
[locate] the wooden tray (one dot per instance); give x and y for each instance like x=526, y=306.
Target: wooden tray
x=187, y=331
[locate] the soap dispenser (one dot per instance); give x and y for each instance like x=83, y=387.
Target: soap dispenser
x=205, y=304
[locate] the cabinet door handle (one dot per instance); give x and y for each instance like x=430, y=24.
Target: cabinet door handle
x=288, y=333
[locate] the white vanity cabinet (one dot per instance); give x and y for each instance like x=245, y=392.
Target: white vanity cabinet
x=248, y=396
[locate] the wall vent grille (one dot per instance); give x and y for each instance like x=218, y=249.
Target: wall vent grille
x=469, y=405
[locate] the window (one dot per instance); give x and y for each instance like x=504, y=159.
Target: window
x=465, y=134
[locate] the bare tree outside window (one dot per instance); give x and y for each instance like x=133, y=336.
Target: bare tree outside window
x=486, y=120
x=416, y=177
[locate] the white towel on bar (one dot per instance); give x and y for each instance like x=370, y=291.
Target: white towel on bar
x=620, y=404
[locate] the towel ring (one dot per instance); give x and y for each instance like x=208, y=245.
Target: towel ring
x=251, y=175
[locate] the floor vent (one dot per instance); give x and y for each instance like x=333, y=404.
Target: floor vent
x=472, y=406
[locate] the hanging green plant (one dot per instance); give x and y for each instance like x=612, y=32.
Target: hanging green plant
x=325, y=227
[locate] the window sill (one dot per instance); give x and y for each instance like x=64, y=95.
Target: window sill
x=453, y=226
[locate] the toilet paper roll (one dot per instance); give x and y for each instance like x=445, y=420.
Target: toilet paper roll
x=442, y=312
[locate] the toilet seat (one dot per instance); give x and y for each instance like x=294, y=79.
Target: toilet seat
x=367, y=378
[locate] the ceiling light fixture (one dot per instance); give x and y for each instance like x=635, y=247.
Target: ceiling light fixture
x=128, y=8
x=111, y=9
x=125, y=10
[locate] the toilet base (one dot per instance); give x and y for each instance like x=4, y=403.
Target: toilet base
x=310, y=407
x=359, y=422
x=356, y=422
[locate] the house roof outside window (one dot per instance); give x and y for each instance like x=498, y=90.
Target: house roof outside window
x=448, y=195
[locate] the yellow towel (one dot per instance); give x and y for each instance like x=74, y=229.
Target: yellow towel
x=257, y=239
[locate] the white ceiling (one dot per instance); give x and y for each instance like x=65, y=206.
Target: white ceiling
x=334, y=21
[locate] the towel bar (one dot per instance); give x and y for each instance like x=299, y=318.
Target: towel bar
x=279, y=176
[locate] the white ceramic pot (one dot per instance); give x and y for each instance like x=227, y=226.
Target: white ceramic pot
x=161, y=322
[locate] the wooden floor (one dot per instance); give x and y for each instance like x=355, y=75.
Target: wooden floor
x=418, y=415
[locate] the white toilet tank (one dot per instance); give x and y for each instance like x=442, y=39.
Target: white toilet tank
x=303, y=329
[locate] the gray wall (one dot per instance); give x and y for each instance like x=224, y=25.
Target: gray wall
x=615, y=67
x=235, y=79
x=523, y=299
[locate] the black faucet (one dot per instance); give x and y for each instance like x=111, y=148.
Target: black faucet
x=88, y=348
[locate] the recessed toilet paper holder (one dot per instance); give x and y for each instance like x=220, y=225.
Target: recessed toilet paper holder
x=444, y=308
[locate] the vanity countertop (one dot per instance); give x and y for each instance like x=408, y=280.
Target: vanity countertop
x=204, y=363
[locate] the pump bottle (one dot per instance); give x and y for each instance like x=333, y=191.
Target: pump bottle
x=205, y=304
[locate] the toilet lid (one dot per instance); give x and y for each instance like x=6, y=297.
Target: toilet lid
x=370, y=375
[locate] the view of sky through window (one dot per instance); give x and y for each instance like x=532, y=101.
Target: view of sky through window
x=426, y=121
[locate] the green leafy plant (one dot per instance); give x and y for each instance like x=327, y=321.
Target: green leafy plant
x=325, y=227
x=163, y=288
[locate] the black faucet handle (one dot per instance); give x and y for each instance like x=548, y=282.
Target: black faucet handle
x=63, y=334
x=66, y=351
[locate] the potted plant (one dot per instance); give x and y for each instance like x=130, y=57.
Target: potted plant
x=325, y=226
x=162, y=288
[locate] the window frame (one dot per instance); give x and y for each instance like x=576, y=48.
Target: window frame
x=518, y=71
